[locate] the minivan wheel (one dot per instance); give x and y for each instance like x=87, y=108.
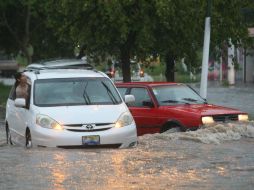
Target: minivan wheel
x=8, y=135
x=28, y=139
x=171, y=128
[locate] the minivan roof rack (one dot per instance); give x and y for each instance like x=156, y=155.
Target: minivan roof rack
x=60, y=64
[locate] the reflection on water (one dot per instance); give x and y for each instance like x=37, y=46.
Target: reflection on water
x=218, y=157
x=58, y=171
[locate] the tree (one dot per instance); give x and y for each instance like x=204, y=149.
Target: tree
x=229, y=28
x=118, y=28
x=228, y=22
x=16, y=19
x=177, y=33
x=24, y=31
x=180, y=28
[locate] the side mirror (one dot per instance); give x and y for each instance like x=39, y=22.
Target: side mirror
x=129, y=99
x=20, y=102
x=148, y=103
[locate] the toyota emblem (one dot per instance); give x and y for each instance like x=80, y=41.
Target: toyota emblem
x=89, y=126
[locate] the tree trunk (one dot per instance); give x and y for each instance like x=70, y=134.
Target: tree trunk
x=125, y=60
x=224, y=57
x=27, y=55
x=170, y=67
x=27, y=35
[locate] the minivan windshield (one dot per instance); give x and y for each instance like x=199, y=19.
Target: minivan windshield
x=75, y=91
x=176, y=94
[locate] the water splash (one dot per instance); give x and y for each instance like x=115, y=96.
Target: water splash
x=213, y=134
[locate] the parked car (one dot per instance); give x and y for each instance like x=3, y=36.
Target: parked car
x=69, y=108
x=159, y=107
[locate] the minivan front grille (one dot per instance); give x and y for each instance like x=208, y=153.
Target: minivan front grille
x=225, y=118
x=90, y=130
x=80, y=125
x=88, y=127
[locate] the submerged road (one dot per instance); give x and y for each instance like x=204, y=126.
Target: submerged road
x=219, y=157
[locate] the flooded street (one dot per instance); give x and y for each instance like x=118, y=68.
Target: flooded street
x=217, y=157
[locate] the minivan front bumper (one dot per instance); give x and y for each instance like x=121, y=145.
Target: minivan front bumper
x=114, y=137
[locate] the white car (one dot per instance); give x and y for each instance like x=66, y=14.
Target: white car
x=69, y=108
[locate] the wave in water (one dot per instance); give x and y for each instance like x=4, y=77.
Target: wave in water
x=213, y=134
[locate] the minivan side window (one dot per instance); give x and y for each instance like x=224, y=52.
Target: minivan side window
x=140, y=94
x=12, y=94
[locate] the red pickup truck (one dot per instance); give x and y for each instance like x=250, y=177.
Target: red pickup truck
x=161, y=106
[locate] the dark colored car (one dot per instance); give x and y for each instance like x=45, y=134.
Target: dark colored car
x=159, y=107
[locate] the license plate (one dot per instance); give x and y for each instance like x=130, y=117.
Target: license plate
x=91, y=140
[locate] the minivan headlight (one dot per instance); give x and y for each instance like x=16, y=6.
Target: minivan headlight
x=47, y=122
x=124, y=120
x=243, y=117
x=207, y=120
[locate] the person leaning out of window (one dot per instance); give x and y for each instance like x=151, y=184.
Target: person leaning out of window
x=22, y=86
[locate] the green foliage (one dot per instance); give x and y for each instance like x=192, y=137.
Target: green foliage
x=185, y=78
x=228, y=22
x=5, y=90
x=122, y=29
x=178, y=27
x=155, y=69
x=26, y=35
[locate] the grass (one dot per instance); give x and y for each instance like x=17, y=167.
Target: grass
x=4, y=93
x=181, y=78
x=185, y=78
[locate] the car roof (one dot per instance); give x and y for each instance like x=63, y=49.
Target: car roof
x=63, y=73
x=151, y=84
x=61, y=68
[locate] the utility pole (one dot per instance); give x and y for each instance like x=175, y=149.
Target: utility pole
x=204, y=74
x=231, y=67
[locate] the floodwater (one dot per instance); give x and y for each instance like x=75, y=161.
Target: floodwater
x=216, y=157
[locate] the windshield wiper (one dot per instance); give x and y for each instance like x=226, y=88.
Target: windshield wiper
x=190, y=99
x=173, y=101
x=113, y=99
x=170, y=101
x=194, y=100
x=86, y=97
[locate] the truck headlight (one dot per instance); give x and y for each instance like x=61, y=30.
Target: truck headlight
x=124, y=120
x=207, y=120
x=243, y=117
x=47, y=122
